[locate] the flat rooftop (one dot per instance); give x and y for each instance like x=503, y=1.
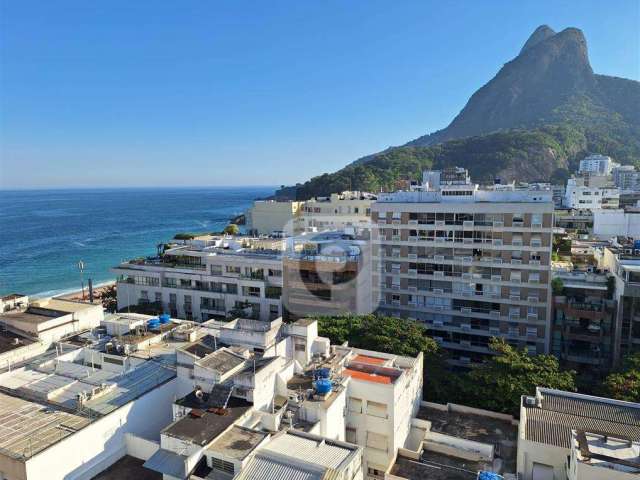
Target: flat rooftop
x=237, y=442
x=478, y=428
x=27, y=428
x=201, y=427
x=221, y=361
x=128, y=468
x=8, y=341
x=373, y=373
x=608, y=452
x=204, y=346
x=436, y=466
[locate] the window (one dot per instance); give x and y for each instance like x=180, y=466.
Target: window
x=300, y=347
x=158, y=296
x=351, y=435
x=172, y=298
x=275, y=273
x=251, y=291
x=216, y=269
x=376, y=409
x=355, y=405
x=232, y=269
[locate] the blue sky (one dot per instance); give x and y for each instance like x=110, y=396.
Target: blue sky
x=156, y=93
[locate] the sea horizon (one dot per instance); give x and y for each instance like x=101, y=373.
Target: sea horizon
x=48, y=231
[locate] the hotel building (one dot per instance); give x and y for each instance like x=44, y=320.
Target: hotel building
x=469, y=263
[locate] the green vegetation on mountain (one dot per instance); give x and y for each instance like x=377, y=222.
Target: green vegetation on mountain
x=533, y=121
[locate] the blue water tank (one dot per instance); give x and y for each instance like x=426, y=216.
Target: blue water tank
x=164, y=318
x=153, y=323
x=489, y=476
x=323, y=373
x=636, y=244
x=323, y=386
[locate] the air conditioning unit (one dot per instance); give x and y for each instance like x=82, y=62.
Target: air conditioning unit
x=498, y=224
x=514, y=297
x=496, y=278
x=438, y=274
x=466, y=310
x=438, y=258
x=412, y=256
x=413, y=222
x=438, y=290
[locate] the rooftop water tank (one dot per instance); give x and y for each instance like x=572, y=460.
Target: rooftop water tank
x=636, y=244
x=323, y=386
x=489, y=476
x=323, y=373
x=164, y=318
x=153, y=323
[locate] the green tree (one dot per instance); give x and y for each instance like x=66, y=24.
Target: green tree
x=625, y=384
x=557, y=286
x=499, y=384
x=382, y=334
x=232, y=229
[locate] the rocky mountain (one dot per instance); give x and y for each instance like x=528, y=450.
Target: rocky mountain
x=532, y=121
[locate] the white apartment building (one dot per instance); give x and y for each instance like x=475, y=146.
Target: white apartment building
x=580, y=195
x=597, y=164
x=611, y=223
x=289, y=394
x=268, y=216
x=470, y=264
x=211, y=278
x=338, y=211
x=565, y=435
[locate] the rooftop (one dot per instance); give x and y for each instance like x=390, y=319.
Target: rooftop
x=221, y=361
x=607, y=452
x=8, y=341
x=478, y=428
x=237, y=442
x=27, y=428
x=560, y=412
x=436, y=466
x=128, y=468
x=372, y=373
x=202, y=427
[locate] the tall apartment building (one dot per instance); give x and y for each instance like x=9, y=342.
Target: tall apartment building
x=326, y=273
x=584, y=322
x=211, y=277
x=624, y=263
x=469, y=263
x=338, y=211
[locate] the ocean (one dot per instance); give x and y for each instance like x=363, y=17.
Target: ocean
x=45, y=233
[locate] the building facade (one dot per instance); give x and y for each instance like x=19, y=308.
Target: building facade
x=214, y=279
x=597, y=164
x=470, y=264
x=338, y=211
x=268, y=216
x=584, y=322
x=326, y=274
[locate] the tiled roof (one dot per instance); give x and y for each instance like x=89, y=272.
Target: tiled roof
x=552, y=422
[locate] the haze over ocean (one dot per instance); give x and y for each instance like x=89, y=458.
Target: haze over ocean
x=44, y=233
